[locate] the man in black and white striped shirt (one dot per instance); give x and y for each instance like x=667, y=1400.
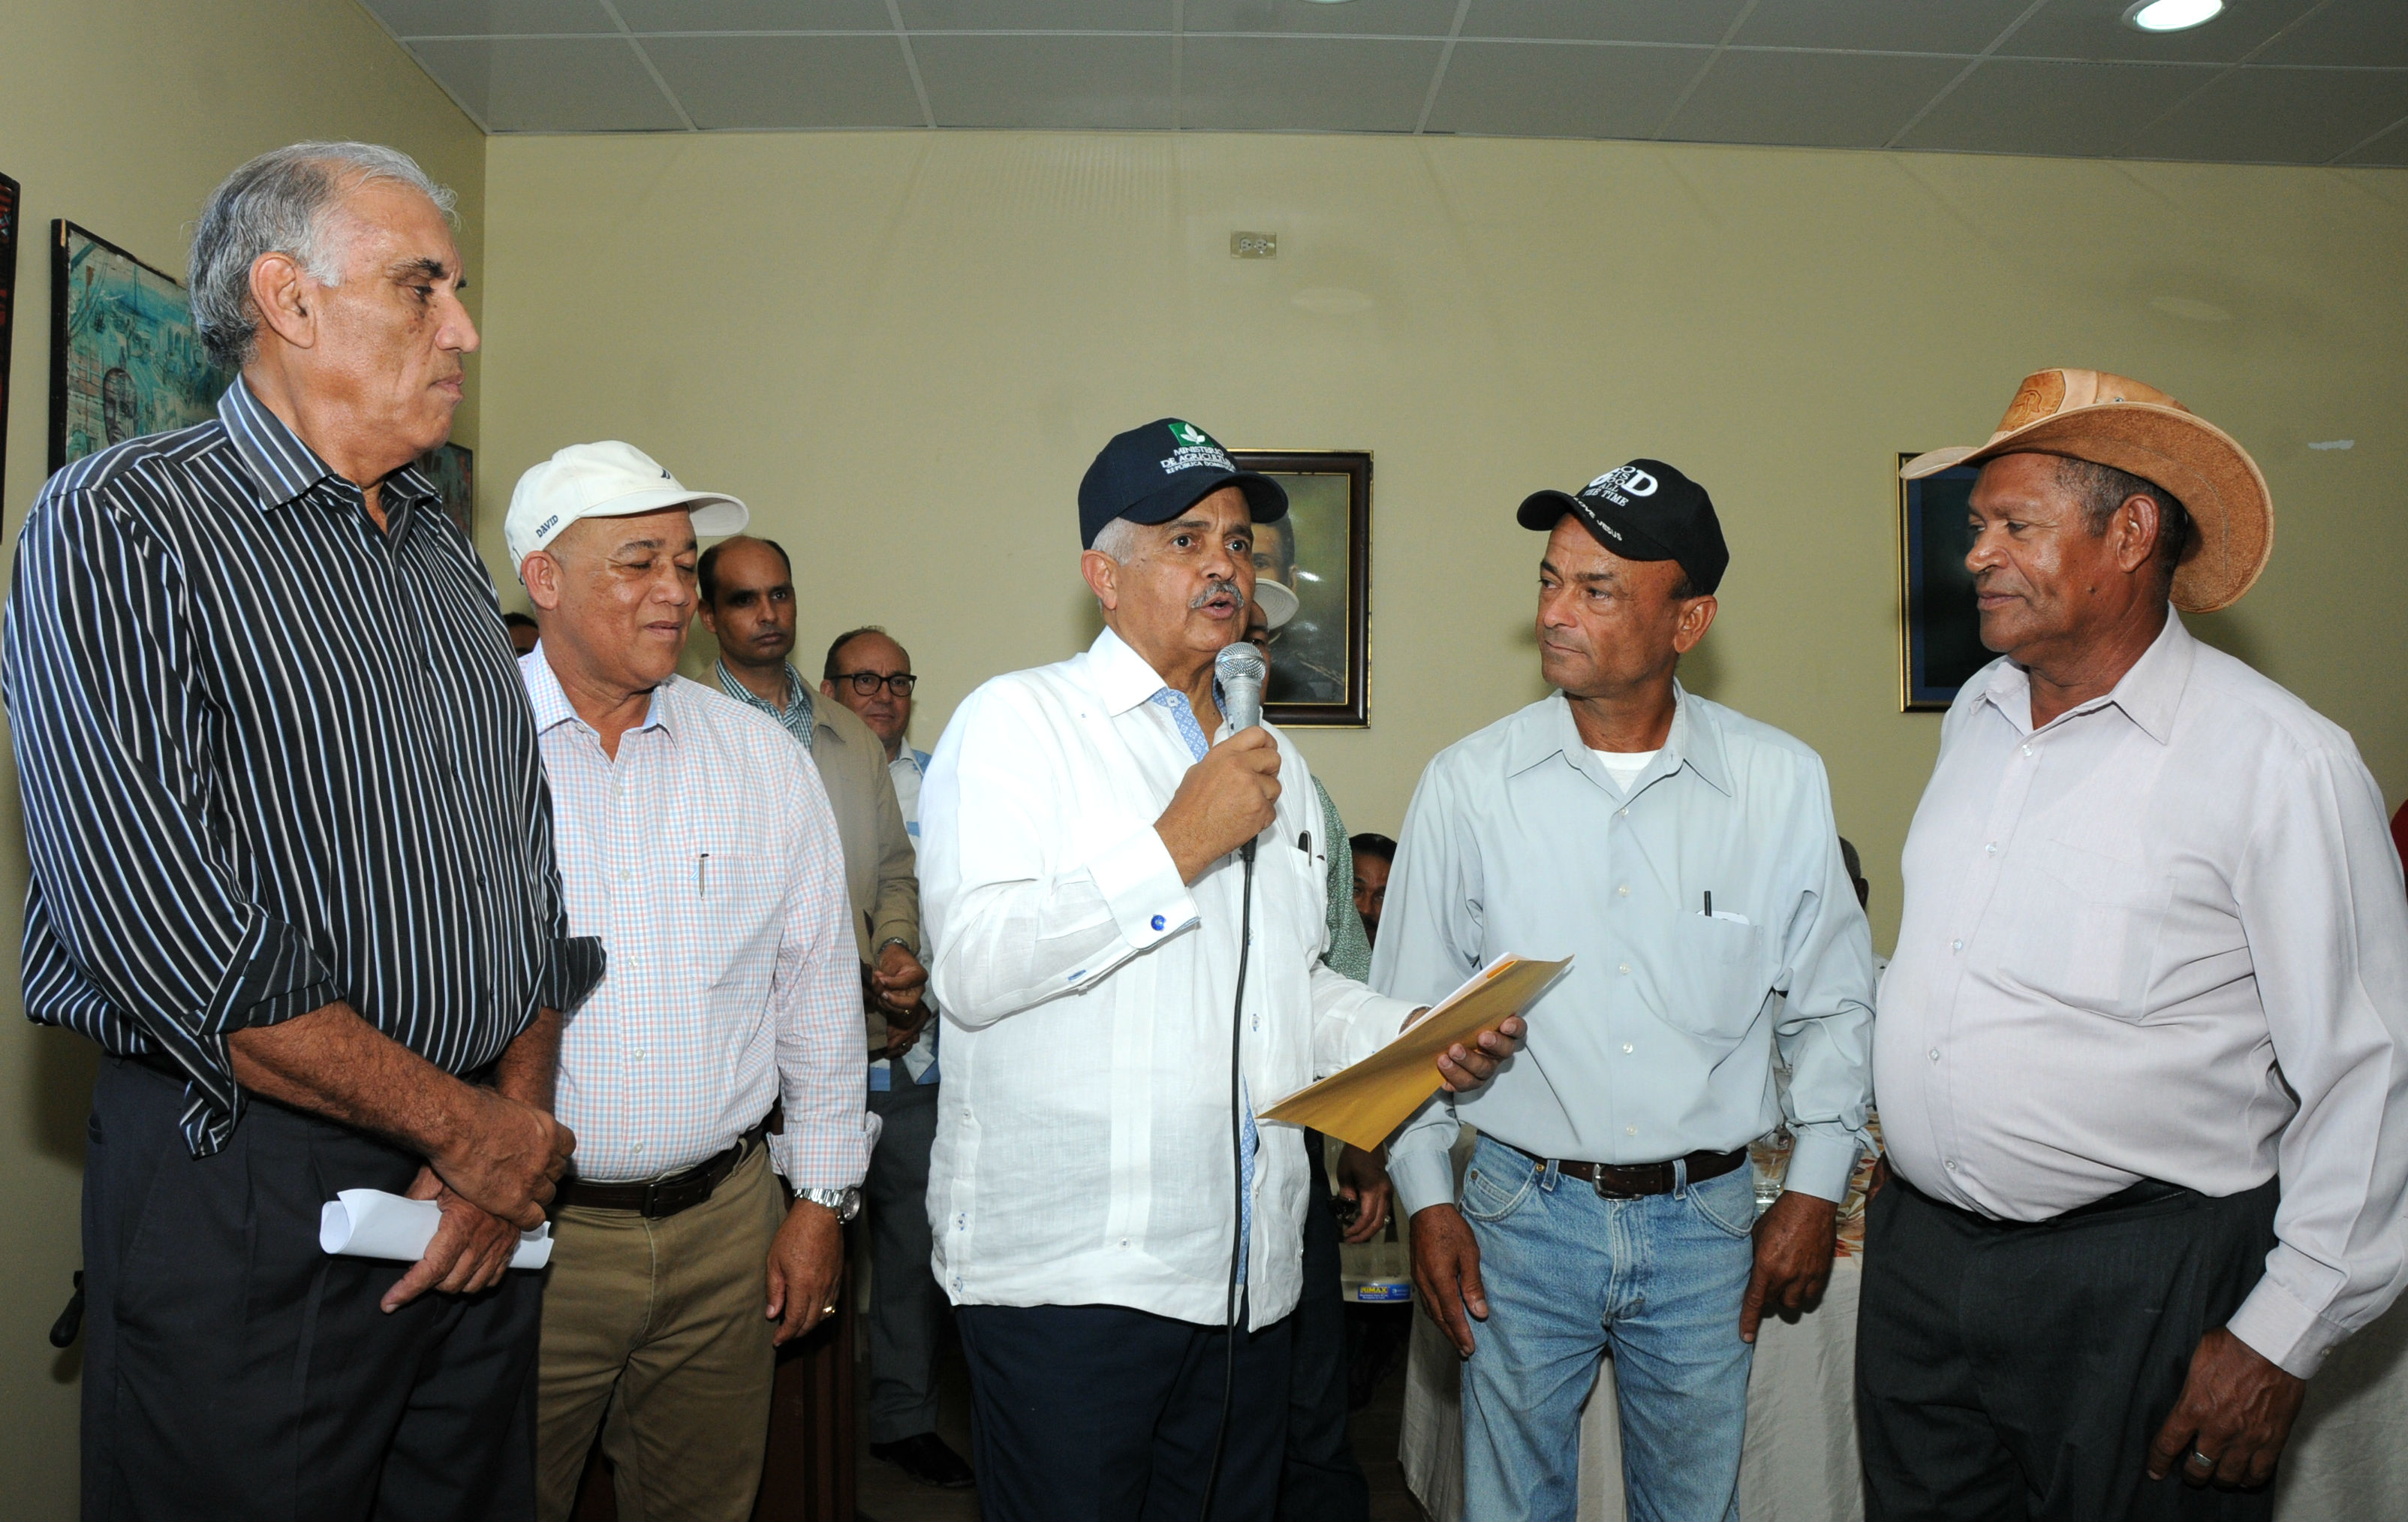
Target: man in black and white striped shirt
x=292, y=870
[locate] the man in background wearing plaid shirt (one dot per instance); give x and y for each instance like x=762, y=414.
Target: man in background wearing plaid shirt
x=694, y=838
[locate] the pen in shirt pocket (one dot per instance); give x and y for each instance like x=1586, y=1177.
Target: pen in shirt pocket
x=701, y=869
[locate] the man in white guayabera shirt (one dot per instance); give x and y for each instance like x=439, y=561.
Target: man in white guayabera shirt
x=1082, y=884
x=2143, y=1053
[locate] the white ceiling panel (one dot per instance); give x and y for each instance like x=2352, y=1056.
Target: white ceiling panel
x=2279, y=116
x=754, y=15
x=1037, y=15
x=1604, y=20
x=1102, y=83
x=489, y=17
x=2095, y=29
x=1899, y=26
x=1815, y=100
x=2080, y=110
x=2352, y=36
x=1387, y=17
x=1304, y=84
x=577, y=84
x=2280, y=81
x=795, y=83
x=1518, y=89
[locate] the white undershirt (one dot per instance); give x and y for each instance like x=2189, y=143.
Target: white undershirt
x=1624, y=766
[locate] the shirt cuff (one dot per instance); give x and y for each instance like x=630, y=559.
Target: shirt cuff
x=1141, y=888
x=1820, y=1163
x=273, y=976
x=571, y=973
x=2283, y=1332
x=1423, y=1174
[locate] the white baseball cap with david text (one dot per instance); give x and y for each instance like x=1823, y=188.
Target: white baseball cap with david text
x=608, y=480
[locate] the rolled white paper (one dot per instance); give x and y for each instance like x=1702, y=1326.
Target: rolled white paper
x=371, y=1223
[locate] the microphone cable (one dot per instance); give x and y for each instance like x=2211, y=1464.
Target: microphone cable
x=1236, y=1178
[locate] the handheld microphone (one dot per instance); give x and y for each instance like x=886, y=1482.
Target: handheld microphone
x=1241, y=669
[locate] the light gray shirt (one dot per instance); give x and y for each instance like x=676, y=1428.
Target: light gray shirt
x=1660, y=1039
x=2162, y=935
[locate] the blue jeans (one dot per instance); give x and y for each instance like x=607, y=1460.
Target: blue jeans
x=1570, y=1275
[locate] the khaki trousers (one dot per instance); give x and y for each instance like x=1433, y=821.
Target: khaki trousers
x=653, y=1332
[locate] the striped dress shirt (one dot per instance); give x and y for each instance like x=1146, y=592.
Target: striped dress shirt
x=272, y=757
x=704, y=856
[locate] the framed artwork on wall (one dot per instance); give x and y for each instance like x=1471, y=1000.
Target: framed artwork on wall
x=1939, y=629
x=9, y=202
x=125, y=359
x=452, y=468
x=1321, y=662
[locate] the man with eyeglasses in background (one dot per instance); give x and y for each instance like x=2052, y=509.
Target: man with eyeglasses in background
x=869, y=673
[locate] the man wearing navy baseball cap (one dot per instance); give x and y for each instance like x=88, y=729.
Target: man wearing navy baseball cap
x=1098, y=1208
x=1685, y=858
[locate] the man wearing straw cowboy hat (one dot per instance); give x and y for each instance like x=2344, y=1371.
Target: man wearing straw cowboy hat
x=2142, y=1054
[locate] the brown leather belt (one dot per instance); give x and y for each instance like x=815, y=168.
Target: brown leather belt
x=1635, y=1180
x=654, y=1198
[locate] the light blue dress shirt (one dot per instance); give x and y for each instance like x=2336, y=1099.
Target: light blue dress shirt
x=1661, y=1040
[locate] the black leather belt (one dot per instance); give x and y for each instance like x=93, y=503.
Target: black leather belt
x=1637, y=1180
x=654, y=1198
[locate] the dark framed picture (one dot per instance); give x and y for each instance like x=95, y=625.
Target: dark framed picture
x=452, y=468
x=1940, y=630
x=125, y=359
x=8, y=203
x=1321, y=661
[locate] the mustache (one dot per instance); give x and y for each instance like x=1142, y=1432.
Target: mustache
x=1217, y=586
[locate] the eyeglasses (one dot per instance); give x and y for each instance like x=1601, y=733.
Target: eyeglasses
x=867, y=683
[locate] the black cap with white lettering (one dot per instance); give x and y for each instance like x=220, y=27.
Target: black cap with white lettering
x=1153, y=474
x=1646, y=510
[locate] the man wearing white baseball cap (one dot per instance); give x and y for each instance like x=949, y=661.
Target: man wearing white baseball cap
x=695, y=840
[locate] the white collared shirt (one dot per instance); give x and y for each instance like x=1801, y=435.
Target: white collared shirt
x=706, y=858
x=1082, y=1153
x=2162, y=935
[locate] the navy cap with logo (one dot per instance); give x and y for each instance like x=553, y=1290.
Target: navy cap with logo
x=1646, y=510
x=1153, y=474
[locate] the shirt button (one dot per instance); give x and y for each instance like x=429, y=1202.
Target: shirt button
x=1123, y=1241
x=1628, y=1049
x=1935, y=1054
x=1990, y=849
x=1258, y=1022
x=1622, y=813
x=638, y=1147
x=1625, y=969
x=1951, y=1165
x=637, y=1054
x=1624, y=890
x=1956, y=945
x=1157, y=922
x=2027, y=751
x=1630, y=1131
x=962, y=1222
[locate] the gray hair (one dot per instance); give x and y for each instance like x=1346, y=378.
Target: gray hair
x=1119, y=540
x=2102, y=489
x=279, y=203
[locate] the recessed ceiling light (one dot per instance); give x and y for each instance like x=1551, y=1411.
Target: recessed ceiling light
x=2172, y=15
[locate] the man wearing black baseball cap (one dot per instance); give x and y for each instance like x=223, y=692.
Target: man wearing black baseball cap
x=1082, y=883
x=1684, y=856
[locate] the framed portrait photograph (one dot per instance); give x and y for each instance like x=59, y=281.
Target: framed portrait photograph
x=8, y=203
x=452, y=468
x=1322, y=551
x=125, y=359
x=1939, y=629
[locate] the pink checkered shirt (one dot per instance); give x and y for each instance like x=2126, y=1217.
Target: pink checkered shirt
x=706, y=858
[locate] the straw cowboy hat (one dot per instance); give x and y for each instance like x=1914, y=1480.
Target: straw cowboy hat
x=2112, y=421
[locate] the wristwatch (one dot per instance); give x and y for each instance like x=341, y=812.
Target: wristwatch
x=845, y=1202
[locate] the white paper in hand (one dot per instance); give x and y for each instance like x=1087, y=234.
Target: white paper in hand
x=369, y=1222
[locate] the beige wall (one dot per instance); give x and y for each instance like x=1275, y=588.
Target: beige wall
x=903, y=350
x=119, y=116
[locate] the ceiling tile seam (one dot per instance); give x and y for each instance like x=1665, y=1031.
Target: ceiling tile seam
x=2226, y=73
x=1438, y=75
x=2369, y=142
x=1964, y=74
x=432, y=77
x=911, y=64
x=1700, y=78
x=684, y=118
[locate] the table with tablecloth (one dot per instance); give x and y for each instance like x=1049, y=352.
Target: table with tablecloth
x=2347, y=1459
